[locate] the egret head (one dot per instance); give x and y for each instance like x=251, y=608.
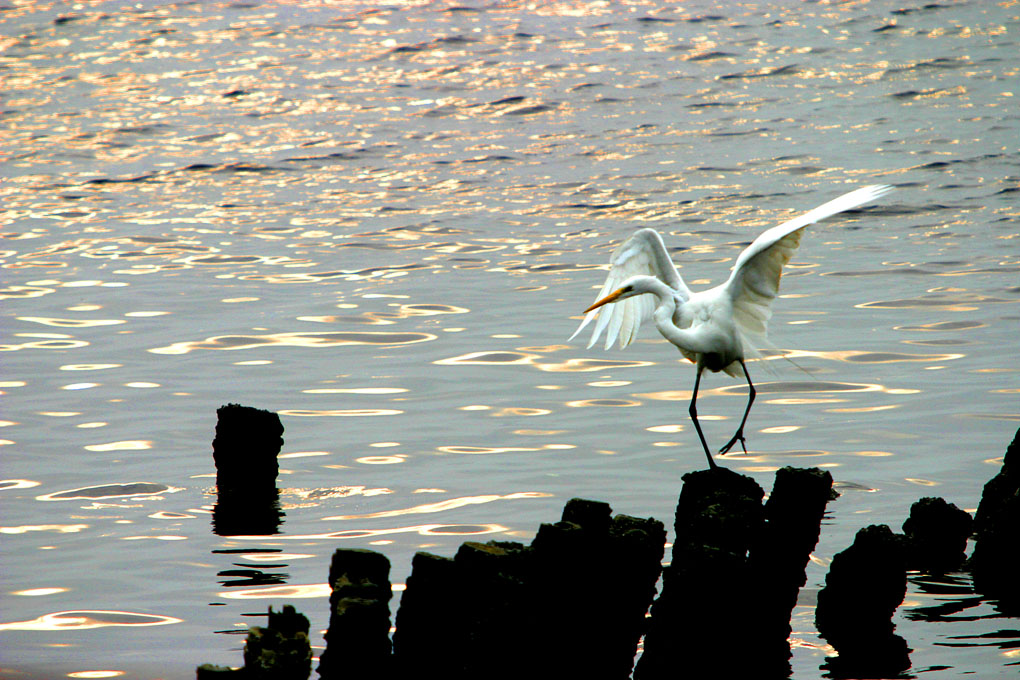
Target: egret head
x=636, y=285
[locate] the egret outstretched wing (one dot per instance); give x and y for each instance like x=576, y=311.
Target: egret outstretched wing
x=754, y=282
x=643, y=253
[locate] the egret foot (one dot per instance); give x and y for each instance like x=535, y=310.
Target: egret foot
x=738, y=437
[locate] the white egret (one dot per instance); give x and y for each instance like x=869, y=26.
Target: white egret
x=717, y=328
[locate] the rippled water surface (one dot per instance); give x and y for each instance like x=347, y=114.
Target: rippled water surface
x=382, y=222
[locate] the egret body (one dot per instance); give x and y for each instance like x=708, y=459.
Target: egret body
x=718, y=328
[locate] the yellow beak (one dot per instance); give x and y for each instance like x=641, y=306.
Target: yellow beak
x=606, y=300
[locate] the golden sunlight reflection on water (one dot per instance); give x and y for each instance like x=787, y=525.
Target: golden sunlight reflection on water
x=6, y=484
x=356, y=390
x=303, y=454
x=520, y=411
x=274, y=556
x=511, y=358
x=421, y=530
x=170, y=515
x=85, y=619
x=484, y=450
x=295, y=591
x=129, y=445
x=126, y=490
x=58, y=528
x=319, y=340
x=291, y=591
x=442, y=506
x=619, y=403
x=58, y=344
x=380, y=460
x=39, y=592
x=297, y=497
x=72, y=323
x=340, y=413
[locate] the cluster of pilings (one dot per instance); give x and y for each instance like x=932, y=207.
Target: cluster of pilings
x=570, y=604
x=574, y=602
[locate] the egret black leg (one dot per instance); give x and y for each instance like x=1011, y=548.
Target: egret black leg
x=694, y=416
x=739, y=436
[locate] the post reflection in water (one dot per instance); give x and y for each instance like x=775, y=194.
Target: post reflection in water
x=376, y=222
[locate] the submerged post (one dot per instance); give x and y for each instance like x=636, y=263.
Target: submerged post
x=280, y=650
x=994, y=562
x=245, y=449
x=864, y=586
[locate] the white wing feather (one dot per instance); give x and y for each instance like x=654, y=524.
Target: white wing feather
x=642, y=253
x=754, y=282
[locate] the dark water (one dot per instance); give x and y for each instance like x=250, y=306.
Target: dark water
x=383, y=223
